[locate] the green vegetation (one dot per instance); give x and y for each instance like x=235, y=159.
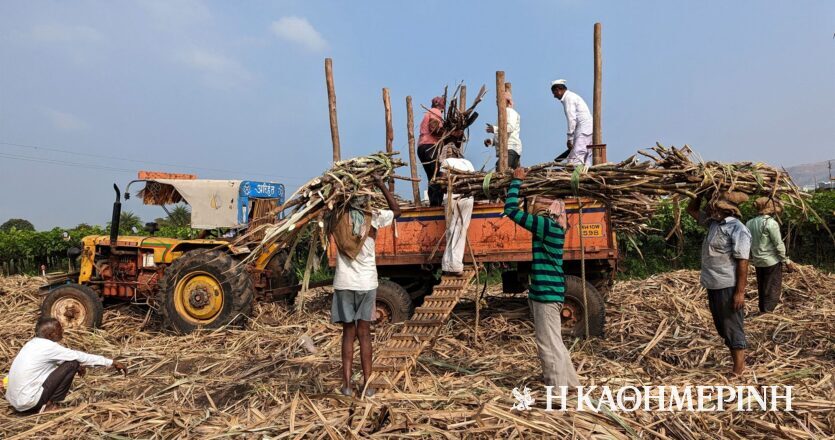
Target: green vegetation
x=808, y=242
x=17, y=223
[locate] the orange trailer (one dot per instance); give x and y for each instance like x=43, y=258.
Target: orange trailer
x=409, y=257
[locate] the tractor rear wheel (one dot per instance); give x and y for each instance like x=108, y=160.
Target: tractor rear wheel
x=574, y=312
x=74, y=306
x=393, y=303
x=204, y=289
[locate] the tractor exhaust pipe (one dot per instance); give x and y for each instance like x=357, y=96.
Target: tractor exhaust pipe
x=114, y=221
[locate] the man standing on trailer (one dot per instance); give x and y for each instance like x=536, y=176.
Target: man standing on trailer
x=355, y=280
x=725, y=253
x=579, y=121
x=546, y=220
x=459, y=211
x=514, y=142
x=431, y=128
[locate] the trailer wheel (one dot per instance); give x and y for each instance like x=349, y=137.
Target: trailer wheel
x=393, y=303
x=573, y=312
x=74, y=306
x=282, y=278
x=204, y=289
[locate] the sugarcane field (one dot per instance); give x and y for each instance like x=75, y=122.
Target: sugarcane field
x=324, y=220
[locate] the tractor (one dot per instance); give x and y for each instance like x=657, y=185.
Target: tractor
x=197, y=283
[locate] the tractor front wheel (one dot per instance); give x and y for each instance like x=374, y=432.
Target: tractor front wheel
x=204, y=289
x=74, y=306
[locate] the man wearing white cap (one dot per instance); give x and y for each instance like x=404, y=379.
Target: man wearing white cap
x=579, y=122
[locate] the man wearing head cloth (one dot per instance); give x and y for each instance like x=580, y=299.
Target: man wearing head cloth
x=579, y=121
x=768, y=254
x=514, y=142
x=546, y=221
x=355, y=279
x=431, y=129
x=725, y=253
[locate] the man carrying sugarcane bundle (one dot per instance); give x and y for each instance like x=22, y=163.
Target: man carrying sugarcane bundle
x=355, y=281
x=579, y=121
x=431, y=129
x=514, y=142
x=768, y=253
x=459, y=211
x=546, y=219
x=725, y=253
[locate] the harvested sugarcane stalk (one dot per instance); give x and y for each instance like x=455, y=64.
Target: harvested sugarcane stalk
x=633, y=189
x=311, y=207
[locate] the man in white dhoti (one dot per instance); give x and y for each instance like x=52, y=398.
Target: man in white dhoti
x=579, y=121
x=459, y=210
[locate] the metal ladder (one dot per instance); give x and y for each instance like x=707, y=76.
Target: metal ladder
x=399, y=355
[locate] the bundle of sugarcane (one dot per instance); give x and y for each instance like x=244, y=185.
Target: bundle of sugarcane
x=456, y=120
x=310, y=208
x=633, y=189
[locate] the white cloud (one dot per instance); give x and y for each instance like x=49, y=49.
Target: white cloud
x=53, y=33
x=298, y=30
x=219, y=71
x=65, y=121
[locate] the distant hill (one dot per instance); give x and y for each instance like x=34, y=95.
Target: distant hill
x=808, y=174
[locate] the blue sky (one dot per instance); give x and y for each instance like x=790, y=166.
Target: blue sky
x=236, y=89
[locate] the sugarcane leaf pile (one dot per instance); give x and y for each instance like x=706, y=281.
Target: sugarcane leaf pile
x=634, y=188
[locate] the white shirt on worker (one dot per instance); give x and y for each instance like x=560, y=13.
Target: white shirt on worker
x=35, y=362
x=458, y=164
x=577, y=114
x=361, y=272
x=514, y=125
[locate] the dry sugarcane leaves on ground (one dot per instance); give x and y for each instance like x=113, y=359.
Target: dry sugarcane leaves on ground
x=263, y=381
x=633, y=188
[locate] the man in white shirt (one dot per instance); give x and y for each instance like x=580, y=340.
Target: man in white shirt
x=514, y=142
x=458, y=212
x=355, y=281
x=42, y=372
x=579, y=121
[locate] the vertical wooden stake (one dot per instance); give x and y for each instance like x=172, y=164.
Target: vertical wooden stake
x=462, y=99
x=389, y=129
x=410, y=127
x=332, y=108
x=597, y=127
x=501, y=124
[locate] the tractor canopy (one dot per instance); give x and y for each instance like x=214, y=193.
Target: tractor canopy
x=214, y=203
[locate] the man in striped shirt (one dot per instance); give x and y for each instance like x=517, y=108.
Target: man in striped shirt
x=546, y=293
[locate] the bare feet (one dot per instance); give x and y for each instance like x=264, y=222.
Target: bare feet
x=347, y=391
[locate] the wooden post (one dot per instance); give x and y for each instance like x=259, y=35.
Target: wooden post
x=410, y=127
x=501, y=124
x=389, y=129
x=462, y=99
x=597, y=136
x=332, y=108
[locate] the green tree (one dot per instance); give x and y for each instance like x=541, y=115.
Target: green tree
x=17, y=223
x=179, y=216
x=128, y=221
